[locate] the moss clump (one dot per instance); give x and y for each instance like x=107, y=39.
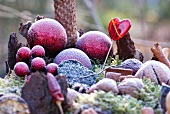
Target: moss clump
x=117, y=104
x=11, y=84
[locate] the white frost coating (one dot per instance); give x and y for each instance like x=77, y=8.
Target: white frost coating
x=106, y=85
x=130, y=86
x=156, y=71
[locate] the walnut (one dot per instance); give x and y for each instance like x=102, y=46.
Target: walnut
x=156, y=71
x=106, y=85
x=130, y=86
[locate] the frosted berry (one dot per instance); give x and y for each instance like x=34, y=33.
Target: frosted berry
x=52, y=68
x=23, y=53
x=21, y=69
x=95, y=44
x=18, y=59
x=37, y=51
x=38, y=64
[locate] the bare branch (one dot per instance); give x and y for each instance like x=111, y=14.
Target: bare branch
x=15, y=12
x=90, y=6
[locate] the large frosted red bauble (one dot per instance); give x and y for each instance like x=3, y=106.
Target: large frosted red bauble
x=48, y=33
x=95, y=44
x=73, y=54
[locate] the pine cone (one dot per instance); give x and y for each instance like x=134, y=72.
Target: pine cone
x=65, y=13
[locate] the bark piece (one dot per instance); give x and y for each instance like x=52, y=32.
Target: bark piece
x=126, y=48
x=13, y=47
x=36, y=93
x=24, y=27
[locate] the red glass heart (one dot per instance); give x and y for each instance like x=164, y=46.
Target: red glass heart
x=117, y=28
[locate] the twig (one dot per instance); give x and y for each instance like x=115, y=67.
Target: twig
x=98, y=72
x=87, y=24
x=12, y=50
x=111, y=46
x=149, y=42
x=90, y=6
x=15, y=12
x=142, y=21
x=157, y=51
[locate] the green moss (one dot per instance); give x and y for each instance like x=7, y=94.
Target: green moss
x=11, y=84
x=125, y=104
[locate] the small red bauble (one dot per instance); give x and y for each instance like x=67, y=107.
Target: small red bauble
x=21, y=69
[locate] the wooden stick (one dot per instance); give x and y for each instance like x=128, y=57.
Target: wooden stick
x=157, y=51
x=58, y=103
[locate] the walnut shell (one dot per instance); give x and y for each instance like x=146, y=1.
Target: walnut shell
x=130, y=86
x=106, y=85
x=156, y=71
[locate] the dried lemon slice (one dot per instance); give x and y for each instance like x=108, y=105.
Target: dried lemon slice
x=13, y=104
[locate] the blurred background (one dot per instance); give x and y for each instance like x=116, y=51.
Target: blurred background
x=150, y=20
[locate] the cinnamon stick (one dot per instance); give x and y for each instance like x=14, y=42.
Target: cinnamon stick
x=120, y=70
x=157, y=51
